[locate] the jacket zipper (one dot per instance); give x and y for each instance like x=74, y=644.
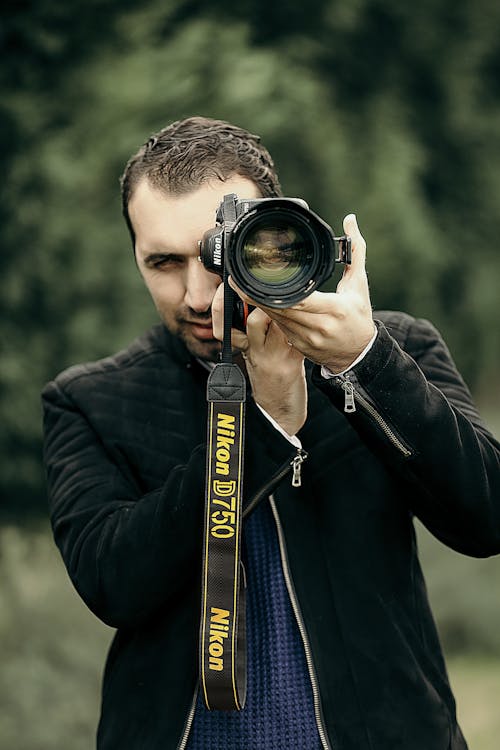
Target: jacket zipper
x=353, y=394
x=295, y=464
x=300, y=622
x=189, y=722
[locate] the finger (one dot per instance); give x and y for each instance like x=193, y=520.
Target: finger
x=276, y=339
x=307, y=313
x=218, y=313
x=291, y=332
x=357, y=268
x=257, y=327
x=239, y=339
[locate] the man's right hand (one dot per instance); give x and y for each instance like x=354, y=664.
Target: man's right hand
x=275, y=368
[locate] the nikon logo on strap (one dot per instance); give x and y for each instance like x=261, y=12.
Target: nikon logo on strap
x=219, y=629
x=225, y=440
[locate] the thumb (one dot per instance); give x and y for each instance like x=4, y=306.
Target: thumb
x=358, y=245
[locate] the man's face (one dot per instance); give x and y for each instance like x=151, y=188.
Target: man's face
x=167, y=230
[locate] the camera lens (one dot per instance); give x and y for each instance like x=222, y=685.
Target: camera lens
x=280, y=252
x=275, y=254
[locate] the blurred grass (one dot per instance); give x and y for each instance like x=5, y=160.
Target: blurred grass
x=476, y=684
x=52, y=649
x=464, y=597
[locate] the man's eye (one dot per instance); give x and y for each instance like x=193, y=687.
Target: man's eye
x=168, y=261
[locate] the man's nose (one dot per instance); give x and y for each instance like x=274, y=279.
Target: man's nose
x=201, y=286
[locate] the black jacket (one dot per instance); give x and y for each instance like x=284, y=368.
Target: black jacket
x=125, y=458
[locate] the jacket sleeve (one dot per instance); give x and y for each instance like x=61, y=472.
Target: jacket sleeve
x=129, y=554
x=412, y=408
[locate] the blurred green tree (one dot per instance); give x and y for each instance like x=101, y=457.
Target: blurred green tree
x=390, y=110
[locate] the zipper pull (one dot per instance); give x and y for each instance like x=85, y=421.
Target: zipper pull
x=349, y=403
x=297, y=468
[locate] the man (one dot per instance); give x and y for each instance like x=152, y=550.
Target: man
x=342, y=649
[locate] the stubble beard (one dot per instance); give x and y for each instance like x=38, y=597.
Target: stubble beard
x=208, y=350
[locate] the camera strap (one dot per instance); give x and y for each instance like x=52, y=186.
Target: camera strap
x=222, y=627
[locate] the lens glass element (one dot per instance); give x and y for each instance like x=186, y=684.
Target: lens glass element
x=275, y=253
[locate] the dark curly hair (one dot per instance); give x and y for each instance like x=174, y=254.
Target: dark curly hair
x=188, y=153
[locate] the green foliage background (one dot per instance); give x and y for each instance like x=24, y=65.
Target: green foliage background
x=381, y=107
x=389, y=109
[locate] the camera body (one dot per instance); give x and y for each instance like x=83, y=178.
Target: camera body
x=277, y=250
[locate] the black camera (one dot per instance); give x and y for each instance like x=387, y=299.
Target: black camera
x=277, y=250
